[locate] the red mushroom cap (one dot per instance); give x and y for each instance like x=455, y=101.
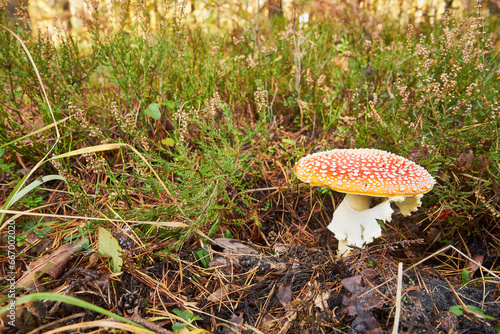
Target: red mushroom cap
x=364, y=171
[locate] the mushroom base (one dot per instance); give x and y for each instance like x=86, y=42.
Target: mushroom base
x=355, y=223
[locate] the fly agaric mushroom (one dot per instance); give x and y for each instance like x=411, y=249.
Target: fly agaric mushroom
x=363, y=174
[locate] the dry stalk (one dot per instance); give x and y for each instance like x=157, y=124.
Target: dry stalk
x=398, y=298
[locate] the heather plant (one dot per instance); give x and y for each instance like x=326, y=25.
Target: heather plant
x=443, y=109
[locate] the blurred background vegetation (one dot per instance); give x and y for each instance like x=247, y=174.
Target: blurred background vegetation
x=74, y=16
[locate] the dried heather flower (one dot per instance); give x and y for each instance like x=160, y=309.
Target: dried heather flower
x=467, y=50
x=321, y=79
x=214, y=48
x=470, y=88
x=308, y=76
x=285, y=34
x=180, y=11
x=94, y=164
x=22, y=15
x=151, y=40
x=94, y=131
x=58, y=166
x=212, y=104
x=409, y=35
x=183, y=118
x=251, y=62
x=127, y=124
x=237, y=40
x=374, y=111
x=402, y=90
x=487, y=204
x=260, y=96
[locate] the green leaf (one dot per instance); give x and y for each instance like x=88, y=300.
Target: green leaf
x=18, y=193
x=109, y=247
x=203, y=256
x=480, y=312
x=186, y=315
x=289, y=141
x=34, y=185
x=381, y=224
x=170, y=104
x=177, y=327
x=458, y=310
x=153, y=110
x=465, y=276
x=168, y=142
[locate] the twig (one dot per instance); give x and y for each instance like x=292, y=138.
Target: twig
x=150, y=325
x=398, y=299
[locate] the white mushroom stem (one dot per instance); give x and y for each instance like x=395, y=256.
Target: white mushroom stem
x=355, y=223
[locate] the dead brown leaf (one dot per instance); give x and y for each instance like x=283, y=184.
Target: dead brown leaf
x=464, y=161
x=221, y=293
x=321, y=300
x=51, y=264
x=284, y=295
x=359, y=308
x=472, y=267
x=341, y=62
x=483, y=163
x=236, y=325
x=235, y=246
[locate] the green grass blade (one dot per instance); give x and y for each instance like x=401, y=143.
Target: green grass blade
x=68, y=300
x=19, y=186
x=50, y=126
x=20, y=194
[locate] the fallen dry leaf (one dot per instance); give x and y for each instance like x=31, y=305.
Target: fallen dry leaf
x=218, y=261
x=359, y=307
x=284, y=295
x=244, y=257
x=280, y=248
x=321, y=300
x=235, y=246
x=236, y=325
x=221, y=293
x=471, y=266
x=464, y=161
x=341, y=62
x=51, y=264
x=483, y=163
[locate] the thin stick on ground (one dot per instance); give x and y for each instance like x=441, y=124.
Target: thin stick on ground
x=398, y=299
